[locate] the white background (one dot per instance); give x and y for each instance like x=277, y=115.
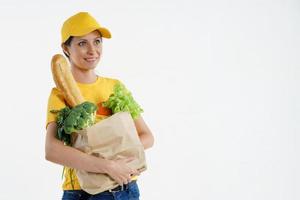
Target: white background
x=218, y=80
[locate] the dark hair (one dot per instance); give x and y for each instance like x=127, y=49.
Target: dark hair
x=68, y=43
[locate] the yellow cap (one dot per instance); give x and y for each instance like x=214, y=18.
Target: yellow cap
x=80, y=24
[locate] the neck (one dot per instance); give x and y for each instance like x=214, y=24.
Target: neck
x=84, y=76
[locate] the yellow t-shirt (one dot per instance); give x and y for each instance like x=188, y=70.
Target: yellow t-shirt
x=96, y=93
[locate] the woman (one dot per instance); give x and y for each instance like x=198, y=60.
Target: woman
x=82, y=44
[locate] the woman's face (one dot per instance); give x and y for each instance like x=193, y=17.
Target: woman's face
x=85, y=51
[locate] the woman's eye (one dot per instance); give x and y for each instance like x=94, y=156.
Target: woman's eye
x=81, y=43
x=98, y=41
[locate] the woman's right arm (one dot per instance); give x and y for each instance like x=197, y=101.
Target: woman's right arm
x=57, y=152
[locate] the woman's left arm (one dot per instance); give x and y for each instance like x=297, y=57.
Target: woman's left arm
x=144, y=132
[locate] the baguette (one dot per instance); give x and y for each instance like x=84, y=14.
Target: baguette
x=65, y=81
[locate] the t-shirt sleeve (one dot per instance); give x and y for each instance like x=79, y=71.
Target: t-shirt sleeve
x=55, y=102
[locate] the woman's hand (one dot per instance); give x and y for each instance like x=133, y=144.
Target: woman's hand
x=119, y=171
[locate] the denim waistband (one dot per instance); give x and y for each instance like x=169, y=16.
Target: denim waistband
x=121, y=187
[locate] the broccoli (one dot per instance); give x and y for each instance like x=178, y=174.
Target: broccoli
x=72, y=119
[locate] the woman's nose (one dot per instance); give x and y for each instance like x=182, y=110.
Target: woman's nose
x=92, y=49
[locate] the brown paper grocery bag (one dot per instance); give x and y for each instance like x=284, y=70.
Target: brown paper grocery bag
x=112, y=138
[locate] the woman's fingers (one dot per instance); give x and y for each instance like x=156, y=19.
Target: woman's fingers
x=135, y=173
x=121, y=172
x=124, y=180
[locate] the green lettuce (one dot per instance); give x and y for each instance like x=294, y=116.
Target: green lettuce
x=121, y=100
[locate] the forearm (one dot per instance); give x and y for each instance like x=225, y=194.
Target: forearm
x=144, y=133
x=73, y=158
x=57, y=152
x=146, y=139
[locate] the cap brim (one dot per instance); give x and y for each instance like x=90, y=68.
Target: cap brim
x=104, y=32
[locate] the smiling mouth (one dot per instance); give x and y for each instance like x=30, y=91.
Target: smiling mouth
x=90, y=59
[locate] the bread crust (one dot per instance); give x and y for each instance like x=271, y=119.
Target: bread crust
x=65, y=81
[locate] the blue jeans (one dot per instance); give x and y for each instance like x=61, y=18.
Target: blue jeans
x=131, y=192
